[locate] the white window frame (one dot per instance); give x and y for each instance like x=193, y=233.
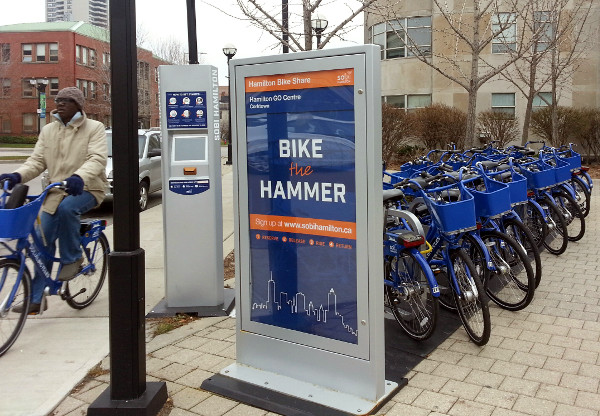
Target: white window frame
x=504, y=27
x=399, y=31
x=510, y=109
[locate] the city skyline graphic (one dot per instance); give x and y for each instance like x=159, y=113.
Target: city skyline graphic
x=297, y=304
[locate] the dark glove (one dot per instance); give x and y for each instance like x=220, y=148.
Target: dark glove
x=11, y=178
x=74, y=185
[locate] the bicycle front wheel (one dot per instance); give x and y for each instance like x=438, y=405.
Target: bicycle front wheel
x=582, y=194
x=557, y=238
x=82, y=290
x=14, y=292
x=522, y=235
x=511, y=282
x=471, y=303
x=572, y=214
x=410, y=298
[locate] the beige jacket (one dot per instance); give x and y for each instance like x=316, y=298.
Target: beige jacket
x=79, y=148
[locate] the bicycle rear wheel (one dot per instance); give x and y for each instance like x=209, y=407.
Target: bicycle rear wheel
x=522, y=235
x=410, y=299
x=85, y=287
x=535, y=221
x=472, y=302
x=11, y=323
x=557, y=238
x=511, y=283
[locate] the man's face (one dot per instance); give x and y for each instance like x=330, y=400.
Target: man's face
x=66, y=108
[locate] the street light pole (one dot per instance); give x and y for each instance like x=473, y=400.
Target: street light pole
x=318, y=23
x=229, y=51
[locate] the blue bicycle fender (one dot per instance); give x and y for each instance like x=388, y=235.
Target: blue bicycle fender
x=435, y=289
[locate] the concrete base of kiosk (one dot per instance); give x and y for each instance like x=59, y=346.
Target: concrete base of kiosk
x=162, y=310
x=148, y=404
x=288, y=396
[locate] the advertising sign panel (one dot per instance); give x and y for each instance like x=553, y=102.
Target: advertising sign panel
x=302, y=208
x=186, y=110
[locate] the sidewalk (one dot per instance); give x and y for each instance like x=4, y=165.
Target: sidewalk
x=543, y=361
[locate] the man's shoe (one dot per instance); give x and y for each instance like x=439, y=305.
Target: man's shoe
x=69, y=271
x=34, y=308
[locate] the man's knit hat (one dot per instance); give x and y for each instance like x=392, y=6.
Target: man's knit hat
x=73, y=93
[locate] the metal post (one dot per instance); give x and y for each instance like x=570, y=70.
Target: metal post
x=192, y=35
x=229, y=140
x=285, y=24
x=128, y=392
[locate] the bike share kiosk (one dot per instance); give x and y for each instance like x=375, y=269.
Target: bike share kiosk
x=307, y=189
x=192, y=205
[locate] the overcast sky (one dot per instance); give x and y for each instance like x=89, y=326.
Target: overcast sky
x=166, y=18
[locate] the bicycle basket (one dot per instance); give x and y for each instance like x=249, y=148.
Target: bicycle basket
x=491, y=199
x=542, y=177
x=572, y=158
x=452, y=207
x=18, y=222
x=562, y=170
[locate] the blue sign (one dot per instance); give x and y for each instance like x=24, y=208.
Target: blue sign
x=186, y=110
x=189, y=186
x=300, y=133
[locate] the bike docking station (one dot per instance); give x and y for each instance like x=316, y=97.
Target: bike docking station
x=192, y=204
x=307, y=191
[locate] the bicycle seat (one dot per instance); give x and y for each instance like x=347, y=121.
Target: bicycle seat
x=392, y=194
x=17, y=197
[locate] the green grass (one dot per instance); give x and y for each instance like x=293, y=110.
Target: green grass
x=9, y=158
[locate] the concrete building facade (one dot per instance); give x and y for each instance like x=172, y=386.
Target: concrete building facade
x=409, y=83
x=90, y=11
x=63, y=54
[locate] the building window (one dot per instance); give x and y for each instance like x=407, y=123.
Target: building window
x=78, y=54
x=6, y=52
x=504, y=27
x=92, y=90
x=54, y=86
x=5, y=91
x=409, y=102
x=83, y=86
x=29, y=122
x=29, y=89
x=5, y=123
x=543, y=28
x=27, y=51
x=53, y=47
x=156, y=74
x=404, y=37
x=92, y=57
x=106, y=92
x=503, y=103
x=84, y=55
x=40, y=52
x=541, y=100
x=106, y=58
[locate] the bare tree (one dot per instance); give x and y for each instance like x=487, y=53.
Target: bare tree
x=559, y=33
x=170, y=49
x=468, y=28
x=267, y=17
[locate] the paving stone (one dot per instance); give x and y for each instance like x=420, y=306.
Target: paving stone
x=188, y=397
x=194, y=378
x=553, y=329
x=562, y=365
x=454, y=372
x=245, y=410
x=214, y=346
x=402, y=409
x=214, y=406
x=426, y=366
x=543, y=376
x=498, y=353
x=532, y=360
x=485, y=379
x=535, y=337
x=407, y=394
x=500, y=411
x=428, y=381
x=496, y=398
x=589, y=370
x=589, y=334
x=206, y=361
x=534, y=406
x=565, y=341
x=582, y=383
x=192, y=342
x=68, y=405
x=470, y=408
x=171, y=372
x=588, y=400
x=436, y=402
x=184, y=356
x=465, y=347
x=165, y=351
x=460, y=389
x=566, y=410
x=520, y=386
x=476, y=362
x=445, y=356
x=508, y=369
x=581, y=356
x=557, y=394
x=547, y=350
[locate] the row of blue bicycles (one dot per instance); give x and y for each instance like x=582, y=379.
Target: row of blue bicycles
x=463, y=228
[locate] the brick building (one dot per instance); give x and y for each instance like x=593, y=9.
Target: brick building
x=64, y=54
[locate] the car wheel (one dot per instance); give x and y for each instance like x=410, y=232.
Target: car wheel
x=143, y=196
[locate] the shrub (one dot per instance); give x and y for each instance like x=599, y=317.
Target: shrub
x=500, y=127
x=439, y=125
x=570, y=122
x=589, y=135
x=18, y=139
x=396, y=128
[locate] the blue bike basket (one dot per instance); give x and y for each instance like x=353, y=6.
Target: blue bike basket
x=572, y=158
x=18, y=222
x=544, y=177
x=451, y=216
x=518, y=189
x=492, y=199
x=562, y=170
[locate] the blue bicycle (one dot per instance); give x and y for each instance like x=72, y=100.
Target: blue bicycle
x=20, y=241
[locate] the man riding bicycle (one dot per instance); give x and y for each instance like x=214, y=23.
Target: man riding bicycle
x=73, y=149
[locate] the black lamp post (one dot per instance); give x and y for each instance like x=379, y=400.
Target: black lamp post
x=229, y=51
x=40, y=84
x=319, y=23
